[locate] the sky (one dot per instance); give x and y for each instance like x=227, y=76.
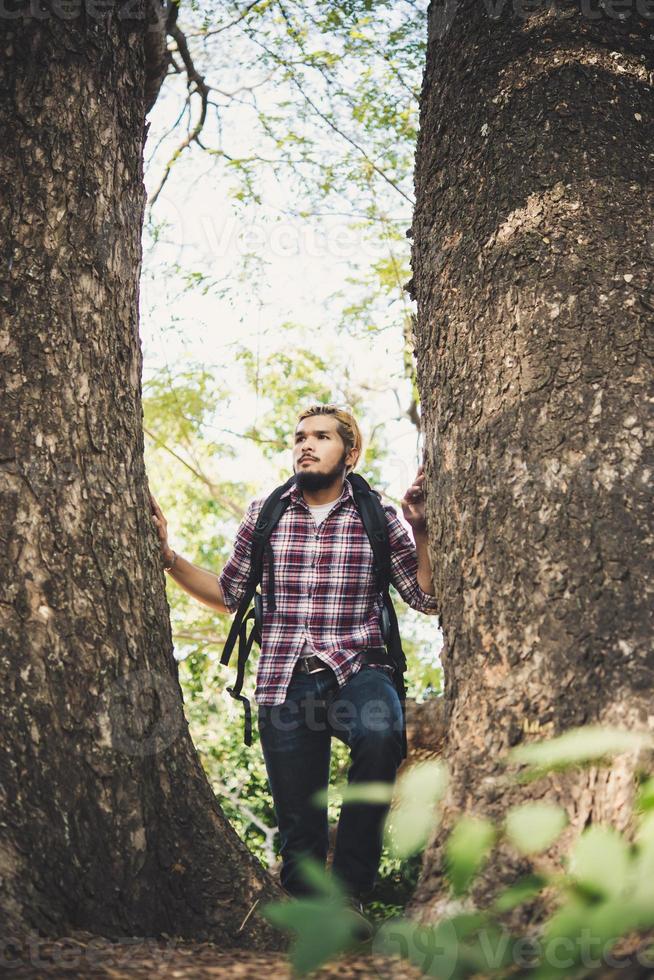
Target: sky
x=304, y=263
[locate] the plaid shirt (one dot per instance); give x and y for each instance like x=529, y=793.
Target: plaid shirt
x=324, y=588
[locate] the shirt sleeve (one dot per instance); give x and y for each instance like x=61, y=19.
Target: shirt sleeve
x=404, y=566
x=234, y=575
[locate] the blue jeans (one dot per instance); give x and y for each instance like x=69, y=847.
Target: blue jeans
x=295, y=736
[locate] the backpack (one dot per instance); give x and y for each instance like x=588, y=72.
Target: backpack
x=373, y=517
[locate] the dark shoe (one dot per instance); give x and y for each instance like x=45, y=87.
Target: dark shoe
x=362, y=927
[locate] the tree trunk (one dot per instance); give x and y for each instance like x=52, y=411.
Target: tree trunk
x=108, y=821
x=533, y=259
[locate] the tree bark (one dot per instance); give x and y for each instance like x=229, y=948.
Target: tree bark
x=533, y=257
x=108, y=821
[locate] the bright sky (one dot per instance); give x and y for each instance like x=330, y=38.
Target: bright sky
x=304, y=264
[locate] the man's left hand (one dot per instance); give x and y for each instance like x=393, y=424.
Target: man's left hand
x=413, y=503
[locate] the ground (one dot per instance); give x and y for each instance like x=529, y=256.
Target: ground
x=82, y=954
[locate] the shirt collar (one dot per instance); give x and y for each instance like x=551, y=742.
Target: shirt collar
x=295, y=494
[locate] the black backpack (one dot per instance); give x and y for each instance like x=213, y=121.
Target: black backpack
x=373, y=516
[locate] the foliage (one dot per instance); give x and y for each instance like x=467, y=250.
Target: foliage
x=187, y=453
x=309, y=132
x=323, y=924
x=531, y=828
x=576, y=746
x=604, y=894
x=467, y=848
x=308, y=120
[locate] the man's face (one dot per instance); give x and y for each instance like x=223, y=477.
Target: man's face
x=319, y=456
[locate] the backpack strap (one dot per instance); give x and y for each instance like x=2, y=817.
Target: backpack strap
x=372, y=513
x=244, y=647
x=269, y=517
x=373, y=516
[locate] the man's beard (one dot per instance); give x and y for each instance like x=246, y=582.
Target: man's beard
x=320, y=481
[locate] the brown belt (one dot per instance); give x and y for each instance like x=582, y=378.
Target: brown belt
x=312, y=664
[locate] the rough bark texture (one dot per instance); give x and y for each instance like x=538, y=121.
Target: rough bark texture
x=533, y=259
x=108, y=821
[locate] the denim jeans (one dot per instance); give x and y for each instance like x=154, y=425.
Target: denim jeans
x=295, y=736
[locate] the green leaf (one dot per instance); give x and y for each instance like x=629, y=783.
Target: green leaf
x=534, y=826
x=577, y=746
x=645, y=835
x=646, y=795
x=642, y=891
x=415, y=816
x=324, y=926
x=524, y=890
x=373, y=792
x=580, y=932
x=434, y=949
x=459, y=947
x=559, y=951
x=600, y=861
x=466, y=850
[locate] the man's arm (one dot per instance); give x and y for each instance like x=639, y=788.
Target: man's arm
x=413, y=507
x=198, y=582
x=410, y=568
x=411, y=572
x=425, y=575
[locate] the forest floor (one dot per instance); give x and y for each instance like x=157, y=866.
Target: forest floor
x=87, y=956
x=91, y=957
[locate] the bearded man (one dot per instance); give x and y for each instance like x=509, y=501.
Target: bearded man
x=322, y=670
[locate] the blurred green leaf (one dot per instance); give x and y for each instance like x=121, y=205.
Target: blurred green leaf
x=577, y=746
x=323, y=925
x=642, y=888
x=466, y=850
x=356, y=793
x=434, y=949
x=415, y=816
x=645, y=800
x=532, y=827
x=600, y=861
x=524, y=890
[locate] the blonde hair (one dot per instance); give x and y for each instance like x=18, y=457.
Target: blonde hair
x=348, y=427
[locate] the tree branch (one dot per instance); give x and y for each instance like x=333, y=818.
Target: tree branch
x=332, y=125
x=156, y=51
x=227, y=504
x=236, y=801
x=225, y=27
x=201, y=88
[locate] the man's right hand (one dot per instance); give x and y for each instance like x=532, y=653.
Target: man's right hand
x=161, y=525
x=198, y=582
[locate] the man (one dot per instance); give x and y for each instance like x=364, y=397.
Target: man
x=313, y=678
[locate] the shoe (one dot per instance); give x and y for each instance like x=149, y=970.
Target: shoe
x=362, y=928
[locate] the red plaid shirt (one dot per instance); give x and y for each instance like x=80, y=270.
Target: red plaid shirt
x=324, y=588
